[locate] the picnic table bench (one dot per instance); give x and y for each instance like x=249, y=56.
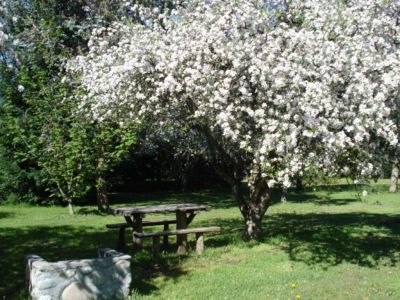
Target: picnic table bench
x=184, y=215
x=123, y=226
x=181, y=249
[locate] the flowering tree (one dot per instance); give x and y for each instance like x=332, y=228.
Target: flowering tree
x=272, y=91
x=59, y=151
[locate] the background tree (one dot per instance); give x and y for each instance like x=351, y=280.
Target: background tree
x=182, y=151
x=110, y=143
x=44, y=137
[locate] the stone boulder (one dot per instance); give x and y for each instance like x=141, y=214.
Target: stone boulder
x=105, y=277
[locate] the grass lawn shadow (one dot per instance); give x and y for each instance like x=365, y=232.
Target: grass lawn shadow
x=4, y=214
x=222, y=198
x=145, y=269
x=89, y=211
x=321, y=200
x=214, y=198
x=364, y=239
x=326, y=240
x=309, y=195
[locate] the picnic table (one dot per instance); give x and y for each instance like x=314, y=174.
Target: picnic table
x=184, y=215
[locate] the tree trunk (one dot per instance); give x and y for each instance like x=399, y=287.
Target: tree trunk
x=394, y=177
x=185, y=178
x=70, y=207
x=299, y=184
x=253, y=222
x=101, y=191
x=284, y=194
x=254, y=208
x=66, y=199
x=232, y=171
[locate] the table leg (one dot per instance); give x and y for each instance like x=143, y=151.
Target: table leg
x=165, y=238
x=191, y=217
x=181, y=240
x=137, y=226
x=121, y=239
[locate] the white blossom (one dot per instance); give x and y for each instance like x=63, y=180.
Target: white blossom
x=287, y=97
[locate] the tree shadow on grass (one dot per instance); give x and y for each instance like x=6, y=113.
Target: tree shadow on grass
x=4, y=214
x=336, y=202
x=222, y=198
x=145, y=269
x=310, y=196
x=349, y=187
x=218, y=199
x=335, y=188
x=320, y=200
x=67, y=243
x=89, y=211
x=368, y=240
x=214, y=198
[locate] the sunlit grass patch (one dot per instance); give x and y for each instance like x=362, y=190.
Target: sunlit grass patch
x=329, y=243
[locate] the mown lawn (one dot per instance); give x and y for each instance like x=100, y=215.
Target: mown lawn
x=325, y=243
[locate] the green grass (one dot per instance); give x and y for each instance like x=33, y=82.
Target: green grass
x=329, y=241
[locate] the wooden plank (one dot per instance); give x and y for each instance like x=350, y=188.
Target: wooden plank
x=200, y=243
x=179, y=231
x=137, y=227
x=144, y=223
x=165, y=238
x=181, y=240
x=134, y=210
x=122, y=226
x=191, y=217
x=161, y=222
x=129, y=220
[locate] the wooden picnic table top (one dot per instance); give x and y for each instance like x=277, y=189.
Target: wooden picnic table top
x=137, y=210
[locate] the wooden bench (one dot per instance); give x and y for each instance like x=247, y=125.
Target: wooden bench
x=199, y=238
x=123, y=226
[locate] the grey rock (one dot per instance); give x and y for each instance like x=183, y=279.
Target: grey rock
x=76, y=291
x=46, y=284
x=86, y=270
x=107, y=277
x=70, y=273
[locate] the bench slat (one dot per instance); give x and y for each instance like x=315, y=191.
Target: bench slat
x=145, y=223
x=177, y=231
